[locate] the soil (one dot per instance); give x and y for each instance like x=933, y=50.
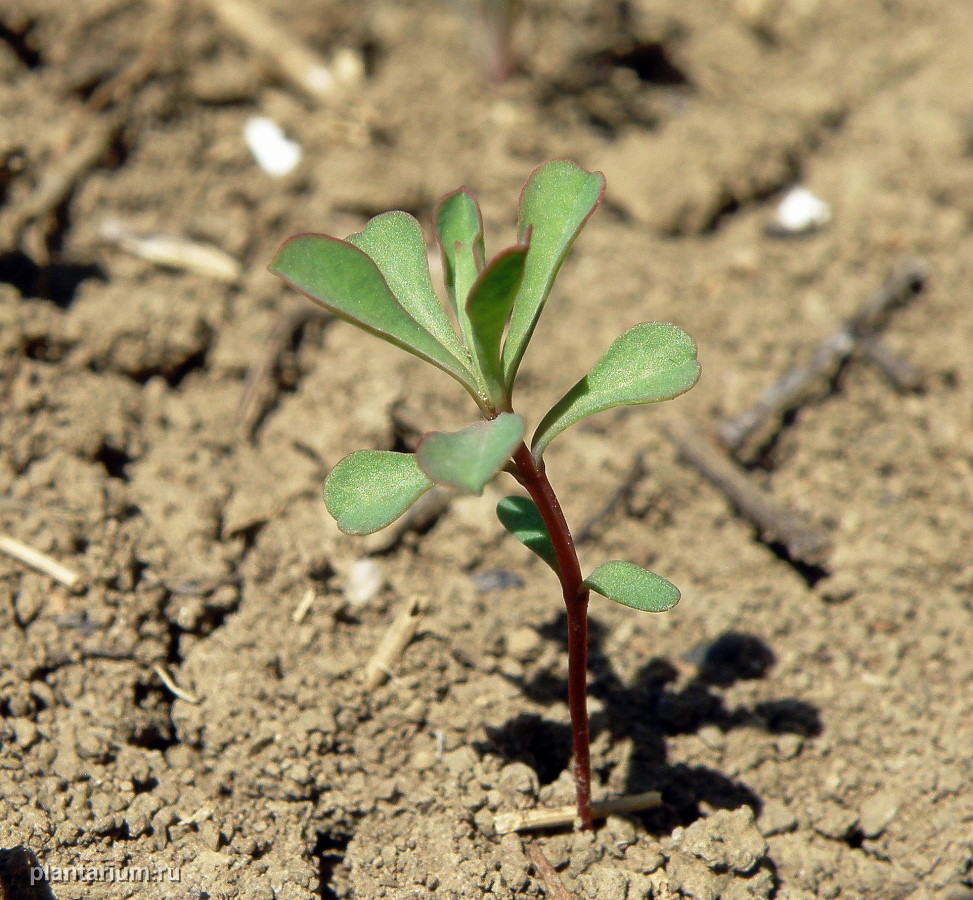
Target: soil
x=809, y=727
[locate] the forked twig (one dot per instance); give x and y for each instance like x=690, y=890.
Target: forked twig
x=900, y=373
x=776, y=523
x=787, y=393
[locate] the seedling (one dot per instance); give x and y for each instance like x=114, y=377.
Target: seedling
x=378, y=279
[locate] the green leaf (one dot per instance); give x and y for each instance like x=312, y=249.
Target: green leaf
x=488, y=308
x=395, y=244
x=521, y=517
x=633, y=586
x=346, y=281
x=459, y=228
x=556, y=201
x=468, y=459
x=650, y=362
x=371, y=488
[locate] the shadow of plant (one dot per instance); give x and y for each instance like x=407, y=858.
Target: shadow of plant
x=662, y=700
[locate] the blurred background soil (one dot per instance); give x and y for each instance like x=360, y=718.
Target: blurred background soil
x=200, y=701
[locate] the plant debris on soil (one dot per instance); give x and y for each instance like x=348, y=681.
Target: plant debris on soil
x=196, y=715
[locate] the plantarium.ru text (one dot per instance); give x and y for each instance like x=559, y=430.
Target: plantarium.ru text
x=379, y=280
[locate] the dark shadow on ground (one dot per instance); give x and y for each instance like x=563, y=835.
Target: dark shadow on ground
x=55, y=281
x=663, y=699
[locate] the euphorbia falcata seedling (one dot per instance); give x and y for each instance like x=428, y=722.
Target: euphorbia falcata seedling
x=378, y=279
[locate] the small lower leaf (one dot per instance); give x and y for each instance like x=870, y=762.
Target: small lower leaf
x=371, y=488
x=633, y=586
x=521, y=517
x=469, y=458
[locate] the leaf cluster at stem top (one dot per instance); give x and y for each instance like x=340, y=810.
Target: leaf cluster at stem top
x=378, y=279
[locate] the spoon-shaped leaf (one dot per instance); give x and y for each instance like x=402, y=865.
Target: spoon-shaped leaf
x=650, y=362
x=469, y=458
x=488, y=308
x=346, y=281
x=459, y=228
x=521, y=517
x=395, y=244
x=633, y=586
x=371, y=488
x=556, y=201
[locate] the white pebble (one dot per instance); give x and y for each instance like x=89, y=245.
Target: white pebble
x=274, y=152
x=364, y=580
x=800, y=212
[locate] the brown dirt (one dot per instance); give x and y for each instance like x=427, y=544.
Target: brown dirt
x=810, y=730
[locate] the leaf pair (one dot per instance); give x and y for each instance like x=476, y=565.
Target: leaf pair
x=623, y=582
x=481, y=297
x=371, y=488
x=557, y=200
x=379, y=278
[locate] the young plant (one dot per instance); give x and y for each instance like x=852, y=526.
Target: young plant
x=378, y=279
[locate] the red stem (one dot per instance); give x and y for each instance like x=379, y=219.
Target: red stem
x=534, y=479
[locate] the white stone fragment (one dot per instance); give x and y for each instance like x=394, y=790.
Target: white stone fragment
x=800, y=212
x=364, y=580
x=274, y=152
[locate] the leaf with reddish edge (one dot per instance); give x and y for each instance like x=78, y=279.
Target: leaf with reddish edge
x=557, y=200
x=370, y=489
x=346, y=281
x=633, y=586
x=394, y=242
x=470, y=458
x=651, y=362
x=459, y=230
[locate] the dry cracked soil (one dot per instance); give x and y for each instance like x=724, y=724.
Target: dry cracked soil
x=198, y=708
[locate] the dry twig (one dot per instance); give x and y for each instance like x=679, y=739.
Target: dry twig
x=754, y=427
x=559, y=817
x=620, y=496
x=172, y=251
x=40, y=561
x=174, y=688
x=552, y=881
x=776, y=523
x=304, y=607
x=900, y=373
x=96, y=128
x=62, y=178
x=262, y=388
x=393, y=643
x=290, y=58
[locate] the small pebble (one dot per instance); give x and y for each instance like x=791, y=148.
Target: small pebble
x=524, y=644
x=800, y=212
x=275, y=153
x=497, y=580
x=364, y=580
x=877, y=812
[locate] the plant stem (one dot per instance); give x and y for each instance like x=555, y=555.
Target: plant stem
x=534, y=479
